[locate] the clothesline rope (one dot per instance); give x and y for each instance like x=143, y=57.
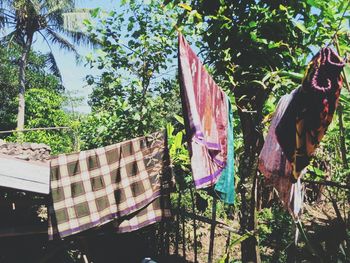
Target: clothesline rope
x=327, y=183
x=37, y=129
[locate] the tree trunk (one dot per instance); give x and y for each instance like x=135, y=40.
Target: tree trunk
x=248, y=187
x=22, y=82
x=250, y=114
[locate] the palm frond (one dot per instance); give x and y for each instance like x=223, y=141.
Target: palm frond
x=78, y=38
x=71, y=24
x=6, y=17
x=3, y=19
x=54, y=13
x=54, y=6
x=52, y=66
x=5, y=3
x=56, y=38
x=12, y=37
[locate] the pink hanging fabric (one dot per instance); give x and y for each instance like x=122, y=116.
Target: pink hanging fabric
x=205, y=111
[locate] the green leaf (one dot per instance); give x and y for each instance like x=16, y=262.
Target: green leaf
x=94, y=12
x=178, y=140
x=301, y=27
x=293, y=75
x=170, y=129
x=223, y=259
x=179, y=119
x=185, y=6
x=312, y=3
x=347, y=71
x=283, y=8
x=252, y=24
x=240, y=239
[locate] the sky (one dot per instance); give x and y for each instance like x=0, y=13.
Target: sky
x=74, y=75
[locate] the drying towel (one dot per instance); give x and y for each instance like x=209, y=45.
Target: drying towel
x=205, y=113
x=311, y=111
x=276, y=168
x=225, y=184
x=154, y=212
x=93, y=187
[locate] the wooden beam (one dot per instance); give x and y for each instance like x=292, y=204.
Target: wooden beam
x=208, y=221
x=22, y=231
x=36, y=129
x=327, y=183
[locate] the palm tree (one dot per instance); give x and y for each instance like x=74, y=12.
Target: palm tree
x=23, y=19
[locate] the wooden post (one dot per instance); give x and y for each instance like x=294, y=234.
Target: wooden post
x=161, y=239
x=178, y=217
x=212, y=231
x=167, y=239
x=183, y=237
x=228, y=240
x=194, y=227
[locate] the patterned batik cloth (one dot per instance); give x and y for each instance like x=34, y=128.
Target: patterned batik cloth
x=226, y=184
x=205, y=113
x=93, y=187
x=276, y=168
x=306, y=120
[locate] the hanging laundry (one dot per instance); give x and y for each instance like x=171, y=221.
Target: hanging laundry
x=154, y=212
x=225, y=183
x=205, y=110
x=94, y=187
x=276, y=168
x=305, y=122
x=25, y=167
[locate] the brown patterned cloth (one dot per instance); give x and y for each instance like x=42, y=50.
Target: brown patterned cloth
x=307, y=117
x=93, y=187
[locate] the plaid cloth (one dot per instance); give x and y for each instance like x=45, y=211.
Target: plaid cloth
x=93, y=187
x=157, y=210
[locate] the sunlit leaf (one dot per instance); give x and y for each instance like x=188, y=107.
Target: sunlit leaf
x=185, y=6
x=301, y=27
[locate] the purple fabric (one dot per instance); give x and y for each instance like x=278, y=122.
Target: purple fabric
x=276, y=168
x=205, y=113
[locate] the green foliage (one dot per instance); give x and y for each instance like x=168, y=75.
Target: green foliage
x=45, y=109
x=37, y=76
x=275, y=234
x=134, y=94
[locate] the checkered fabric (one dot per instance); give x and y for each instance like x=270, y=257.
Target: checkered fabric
x=93, y=187
x=152, y=213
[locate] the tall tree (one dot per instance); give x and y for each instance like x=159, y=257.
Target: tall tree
x=23, y=19
x=250, y=45
x=136, y=92
x=38, y=75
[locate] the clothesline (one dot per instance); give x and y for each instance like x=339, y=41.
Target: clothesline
x=36, y=129
x=327, y=183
